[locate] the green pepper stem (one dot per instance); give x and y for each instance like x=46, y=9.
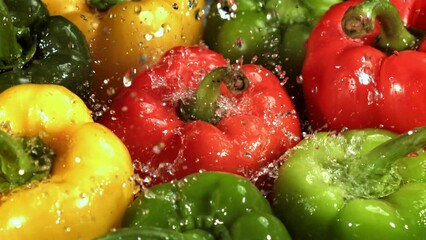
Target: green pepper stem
x=373, y=175
x=204, y=104
x=383, y=156
x=360, y=20
x=22, y=160
x=10, y=50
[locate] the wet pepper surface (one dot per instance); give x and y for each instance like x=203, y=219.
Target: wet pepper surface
x=247, y=130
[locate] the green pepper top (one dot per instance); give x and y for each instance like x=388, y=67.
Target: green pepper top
x=38, y=48
x=208, y=205
x=360, y=184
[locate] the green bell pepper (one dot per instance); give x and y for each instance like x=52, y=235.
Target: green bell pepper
x=207, y=205
x=271, y=33
x=360, y=184
x=38, y=48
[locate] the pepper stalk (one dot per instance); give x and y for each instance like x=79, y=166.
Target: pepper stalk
x=22, y=160
x=203, y=105
x=360, y=20
x=372, y=176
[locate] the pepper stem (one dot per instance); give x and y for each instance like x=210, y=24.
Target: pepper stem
x=203, y=105
x=360, y=20
x=373, y=175
x=10, y=50
x=382, y=157
x=22, y=160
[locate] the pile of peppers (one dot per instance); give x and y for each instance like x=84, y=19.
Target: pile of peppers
x=36, y=47
x=185, y=120
x=126, y=37
x=365, y=66
x=271, y=33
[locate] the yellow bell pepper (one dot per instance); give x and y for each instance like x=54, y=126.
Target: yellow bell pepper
x=59, y=7
x=90, y=184
x=131, y=36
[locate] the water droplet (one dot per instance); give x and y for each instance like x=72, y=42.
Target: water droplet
x=238, y=43
x=199, y=14
x=137, y=9
x=160, y=31
x=158, y=147
x=148, y=36
x=128, y=77
x=227, y=10
x=84, y=17
x=254, y=59
x=192, y=4
x=299, y=79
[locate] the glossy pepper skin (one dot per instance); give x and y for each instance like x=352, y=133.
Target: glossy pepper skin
x=360, y=184
x=355, y=82
x=89, y=186
x=232, y=131
x=133, y=35
x=270, y=33
x=208, y=205
x=38, y=48
x=79, y=12
x=104, y=4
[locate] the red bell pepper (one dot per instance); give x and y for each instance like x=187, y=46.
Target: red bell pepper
x=193, y=111
x=361, y=73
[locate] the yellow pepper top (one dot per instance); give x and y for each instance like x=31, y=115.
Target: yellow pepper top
x=90, y=184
